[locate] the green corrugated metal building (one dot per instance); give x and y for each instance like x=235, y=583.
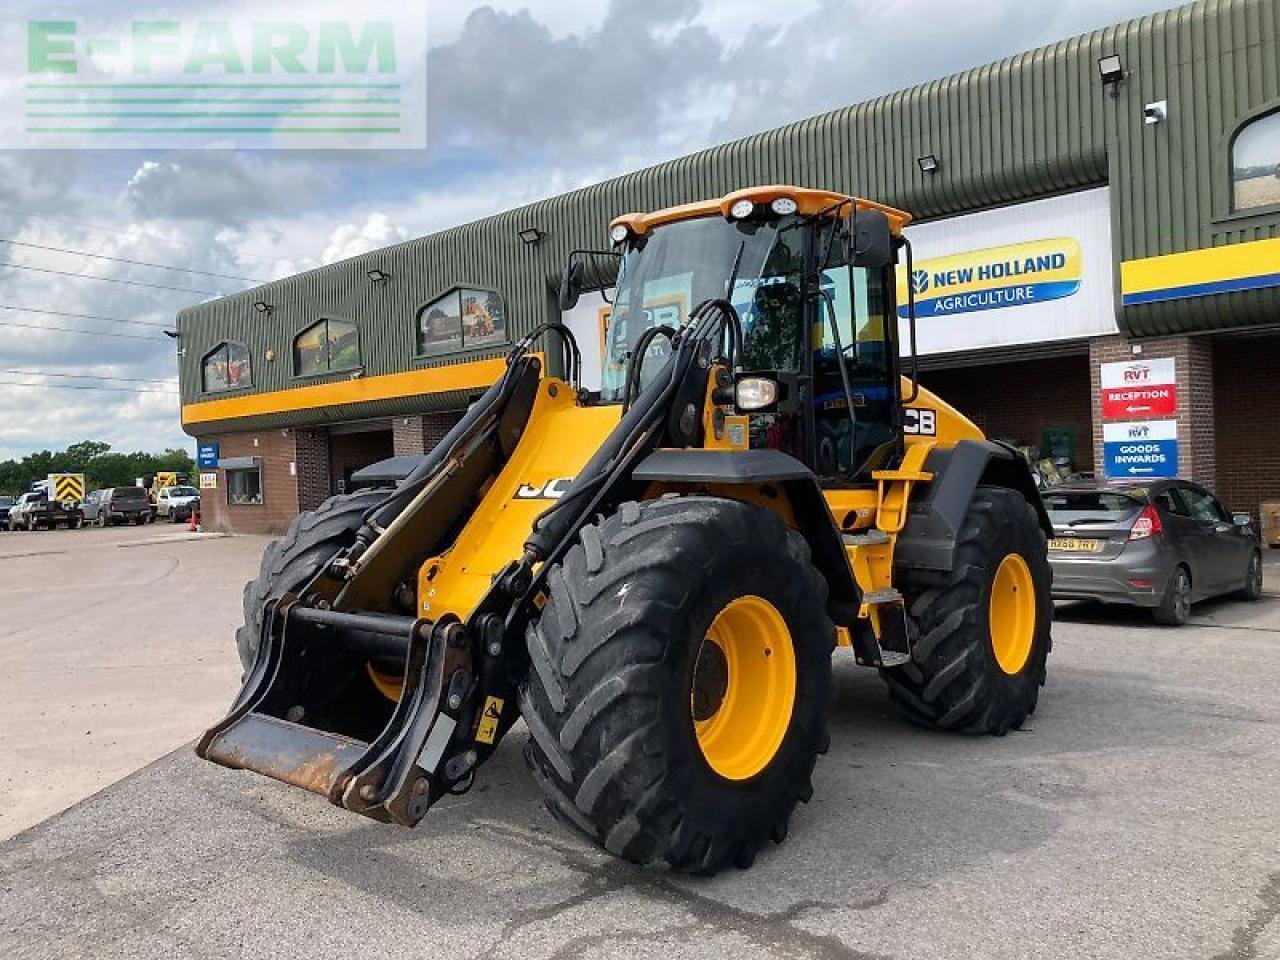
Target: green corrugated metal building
x=1146, y=156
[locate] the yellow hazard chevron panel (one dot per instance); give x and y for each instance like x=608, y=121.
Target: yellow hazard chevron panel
x=1201, y=273
x=68, y=486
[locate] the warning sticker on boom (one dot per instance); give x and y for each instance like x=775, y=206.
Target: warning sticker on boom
x=487, y=732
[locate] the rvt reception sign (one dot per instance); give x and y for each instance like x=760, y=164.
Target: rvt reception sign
x=1012, y=276
x=1139, y=388
x=1143, y=451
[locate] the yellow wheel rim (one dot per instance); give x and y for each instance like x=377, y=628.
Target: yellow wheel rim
x=389, y=685
x=741, y=724
x=1013, y=614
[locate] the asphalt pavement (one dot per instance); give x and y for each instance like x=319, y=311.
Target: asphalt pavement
x=1135, y=816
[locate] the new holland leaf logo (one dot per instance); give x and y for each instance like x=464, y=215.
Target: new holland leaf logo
x=920, y=281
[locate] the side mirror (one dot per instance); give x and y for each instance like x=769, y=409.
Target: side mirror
x=870, y=240
x=1242, y=520
x=571, y=285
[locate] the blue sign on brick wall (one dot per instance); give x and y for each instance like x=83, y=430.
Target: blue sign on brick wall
x=207, y=455
x=1142, y=451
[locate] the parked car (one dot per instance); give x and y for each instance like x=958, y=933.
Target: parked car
x=114, y=505
x=34, y=510
x=1163, y=545
x=5, y=503
x=176, y=503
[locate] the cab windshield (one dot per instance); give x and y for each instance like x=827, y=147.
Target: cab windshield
x=678, y=266
x=669, y=272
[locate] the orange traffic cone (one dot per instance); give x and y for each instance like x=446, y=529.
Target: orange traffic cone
x=194, y=525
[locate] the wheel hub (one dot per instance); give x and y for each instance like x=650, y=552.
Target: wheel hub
x=744, y=688
x=1012, y=615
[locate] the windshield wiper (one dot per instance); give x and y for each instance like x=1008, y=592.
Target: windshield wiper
x=1084, y=521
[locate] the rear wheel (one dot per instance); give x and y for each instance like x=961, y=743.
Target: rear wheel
x=982, y=634
x=1252, y=589
x=680, y=678
x=1175, y=606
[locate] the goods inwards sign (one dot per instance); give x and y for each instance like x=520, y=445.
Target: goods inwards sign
x=299, y=75
x=1141, y=450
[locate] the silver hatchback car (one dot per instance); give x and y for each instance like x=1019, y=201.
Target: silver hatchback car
x=1163, y=544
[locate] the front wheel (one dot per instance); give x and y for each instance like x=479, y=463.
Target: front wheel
x=982, y=632
x=680, y=678
x=1175, y=606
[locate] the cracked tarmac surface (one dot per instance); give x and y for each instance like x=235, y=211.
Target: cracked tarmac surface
x=1135, y=816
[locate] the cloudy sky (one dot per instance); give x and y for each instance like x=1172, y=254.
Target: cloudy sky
x=561, y=98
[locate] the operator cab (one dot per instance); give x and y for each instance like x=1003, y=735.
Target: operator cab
x=811, y=278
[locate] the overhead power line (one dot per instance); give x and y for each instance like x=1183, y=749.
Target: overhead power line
x=85, y=376
x=83, y=333
x=85, y=316
x=74, y=386
x=115, y=231
x=130, y=283
x=136, y=263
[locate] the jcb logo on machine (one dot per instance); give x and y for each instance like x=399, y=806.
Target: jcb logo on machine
x=551, y=490
x=920, y=422
x=68, y=487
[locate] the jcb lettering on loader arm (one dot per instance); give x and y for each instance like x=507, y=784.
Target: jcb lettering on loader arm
x=654, y=578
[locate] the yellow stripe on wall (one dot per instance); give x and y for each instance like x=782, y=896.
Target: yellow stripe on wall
x=1236, y=261
x=479, y=374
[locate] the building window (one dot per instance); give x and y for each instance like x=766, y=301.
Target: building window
x=463, y=319
x=1255, y=164
x=226, y=367
x=326, y=347
x=244, y=486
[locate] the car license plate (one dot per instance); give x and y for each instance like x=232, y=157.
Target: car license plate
x=1075, y=545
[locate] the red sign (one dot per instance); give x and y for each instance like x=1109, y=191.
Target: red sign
x=1140, y=401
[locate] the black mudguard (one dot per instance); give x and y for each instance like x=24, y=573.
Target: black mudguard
x=767, y=467
x=928, y=542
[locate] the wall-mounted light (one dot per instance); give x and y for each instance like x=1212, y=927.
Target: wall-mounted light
x=928, y=163
x=263, y=307
x=1111, y=70
x=531, y=236
x=378, y=276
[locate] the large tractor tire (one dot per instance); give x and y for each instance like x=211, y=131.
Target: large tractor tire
x=982, y=634
x=680, y=679
x=290, y=562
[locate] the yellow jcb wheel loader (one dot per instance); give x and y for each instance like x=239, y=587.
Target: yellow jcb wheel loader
x=653, y=576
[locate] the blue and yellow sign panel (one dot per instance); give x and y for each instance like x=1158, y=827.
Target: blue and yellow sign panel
x=1254, y=265
x=993, y=279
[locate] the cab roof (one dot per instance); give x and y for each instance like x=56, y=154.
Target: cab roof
x=808, y=202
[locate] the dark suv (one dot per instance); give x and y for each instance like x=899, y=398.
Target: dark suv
x=115, y=505
x=5, y=504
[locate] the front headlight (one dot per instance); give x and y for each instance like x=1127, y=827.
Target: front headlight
x=755, y=393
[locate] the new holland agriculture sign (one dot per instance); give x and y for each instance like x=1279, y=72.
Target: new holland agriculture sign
x=1010, y=276
x=1034, y=272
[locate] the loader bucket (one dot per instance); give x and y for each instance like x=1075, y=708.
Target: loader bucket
x=277, y=727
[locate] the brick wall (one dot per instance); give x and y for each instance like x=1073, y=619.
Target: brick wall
x=314, y=484
x=1247, y=411
x=348, y=452
x=277, y=451
x=1193, y=357
x=419, y=434
x=1016, y=401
